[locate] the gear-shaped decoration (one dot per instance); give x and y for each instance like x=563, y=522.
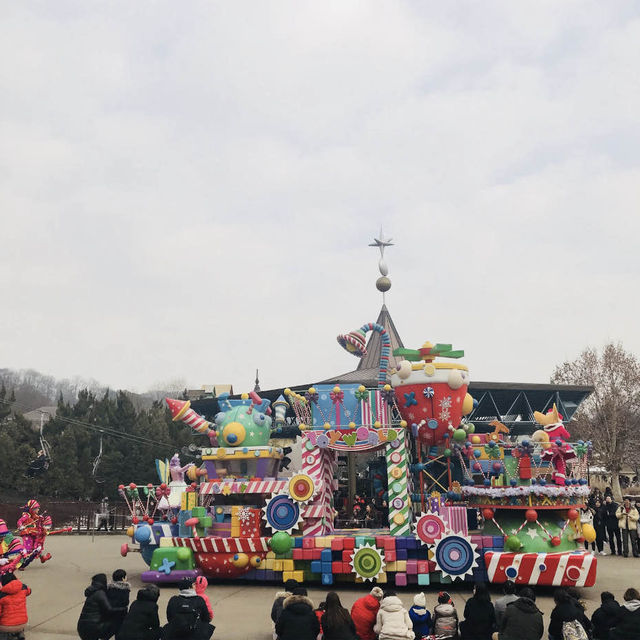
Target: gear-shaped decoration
x=429, y=528
x=301, y=488
x=367, y=562
x=282, y=514
x=455, y=556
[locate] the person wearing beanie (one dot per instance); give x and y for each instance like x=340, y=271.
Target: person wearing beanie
x=604, y=618
x=200, y=585
x=364, y=612
x=142, y=621
x=97, y=613
x=298, y=620
x=420, y=616
x=187, y=615
x=522, y=620
x=479, y=616
x=445, y=618
x=628, y=622
x=118, y=592
x=393, y=621
x=13, y=605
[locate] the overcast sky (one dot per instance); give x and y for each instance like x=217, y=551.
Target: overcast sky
x=188, y=189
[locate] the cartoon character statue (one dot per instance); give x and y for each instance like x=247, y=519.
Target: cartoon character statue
x=12, y=552
x=553, y=437
x=172, y=473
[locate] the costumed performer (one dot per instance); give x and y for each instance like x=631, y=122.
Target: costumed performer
x=12, y=552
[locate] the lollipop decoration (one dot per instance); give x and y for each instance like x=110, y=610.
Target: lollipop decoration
x=456, y=556
x=429, y=527
x=281, y=513
x=367, y=562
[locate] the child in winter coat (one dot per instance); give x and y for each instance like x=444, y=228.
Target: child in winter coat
x=445, y=618
x=605, y=617
x=13, y=604
x=118, y=592
x=393, y=621
x=364, y=612
x=142, y=622
x=420, y=616
x=200, y=585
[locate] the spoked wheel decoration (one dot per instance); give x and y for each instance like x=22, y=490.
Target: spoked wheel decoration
x=282, y=514
x=301, y=488
x=455, y=556
x=429, y=528
x=367, y=562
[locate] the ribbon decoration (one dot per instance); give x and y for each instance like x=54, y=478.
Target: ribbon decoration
x=362, y=395
x=389, y=396
x=337, y=396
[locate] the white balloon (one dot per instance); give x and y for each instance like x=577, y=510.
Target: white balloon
x=404, y=369
x=455, y=379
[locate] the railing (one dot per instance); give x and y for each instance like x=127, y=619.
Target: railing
x=82, y=516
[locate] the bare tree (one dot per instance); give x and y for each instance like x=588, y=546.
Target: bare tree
x=610, y=416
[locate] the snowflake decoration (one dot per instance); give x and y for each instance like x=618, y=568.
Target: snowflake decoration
x=244, y=515
x=444, y=414
x=445, y=403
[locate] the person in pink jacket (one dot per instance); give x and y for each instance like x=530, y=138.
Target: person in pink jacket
x=200, y=586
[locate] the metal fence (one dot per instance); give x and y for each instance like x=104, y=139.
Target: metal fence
x=82, y=516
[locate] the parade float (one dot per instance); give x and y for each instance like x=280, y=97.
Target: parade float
x=236, y=515
x=483, y=506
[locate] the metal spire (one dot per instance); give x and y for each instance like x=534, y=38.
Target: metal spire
x=383, y=283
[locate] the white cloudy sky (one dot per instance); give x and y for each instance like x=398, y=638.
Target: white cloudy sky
x=187, y=190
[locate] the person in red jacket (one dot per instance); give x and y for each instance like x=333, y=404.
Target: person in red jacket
x=364, y=612
x=13, y=605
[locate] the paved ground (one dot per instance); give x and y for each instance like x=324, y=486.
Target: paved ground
x=241, y=610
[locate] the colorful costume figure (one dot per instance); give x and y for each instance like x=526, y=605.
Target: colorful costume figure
x=12, y=552
x=33, y=528
x=559, y=453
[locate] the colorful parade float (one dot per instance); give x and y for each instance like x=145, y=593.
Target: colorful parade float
x=462, y=504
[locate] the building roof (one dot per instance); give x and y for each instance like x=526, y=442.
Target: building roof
x=35, y=416
x=512, y=403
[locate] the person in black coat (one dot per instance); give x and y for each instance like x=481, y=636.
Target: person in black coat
x=600, y=525
x=118, y=592
x=566, y=610
x=627, y=625
x=604, y=618
x=479, y=615
x=298, y=620
x=611, y=522
x=187, y=615
x=522, y=620
x=142, y=622
x=97, y=613
x=336, y=621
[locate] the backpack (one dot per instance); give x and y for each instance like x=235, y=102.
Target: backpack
x=573, y=630
x=185, y=620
